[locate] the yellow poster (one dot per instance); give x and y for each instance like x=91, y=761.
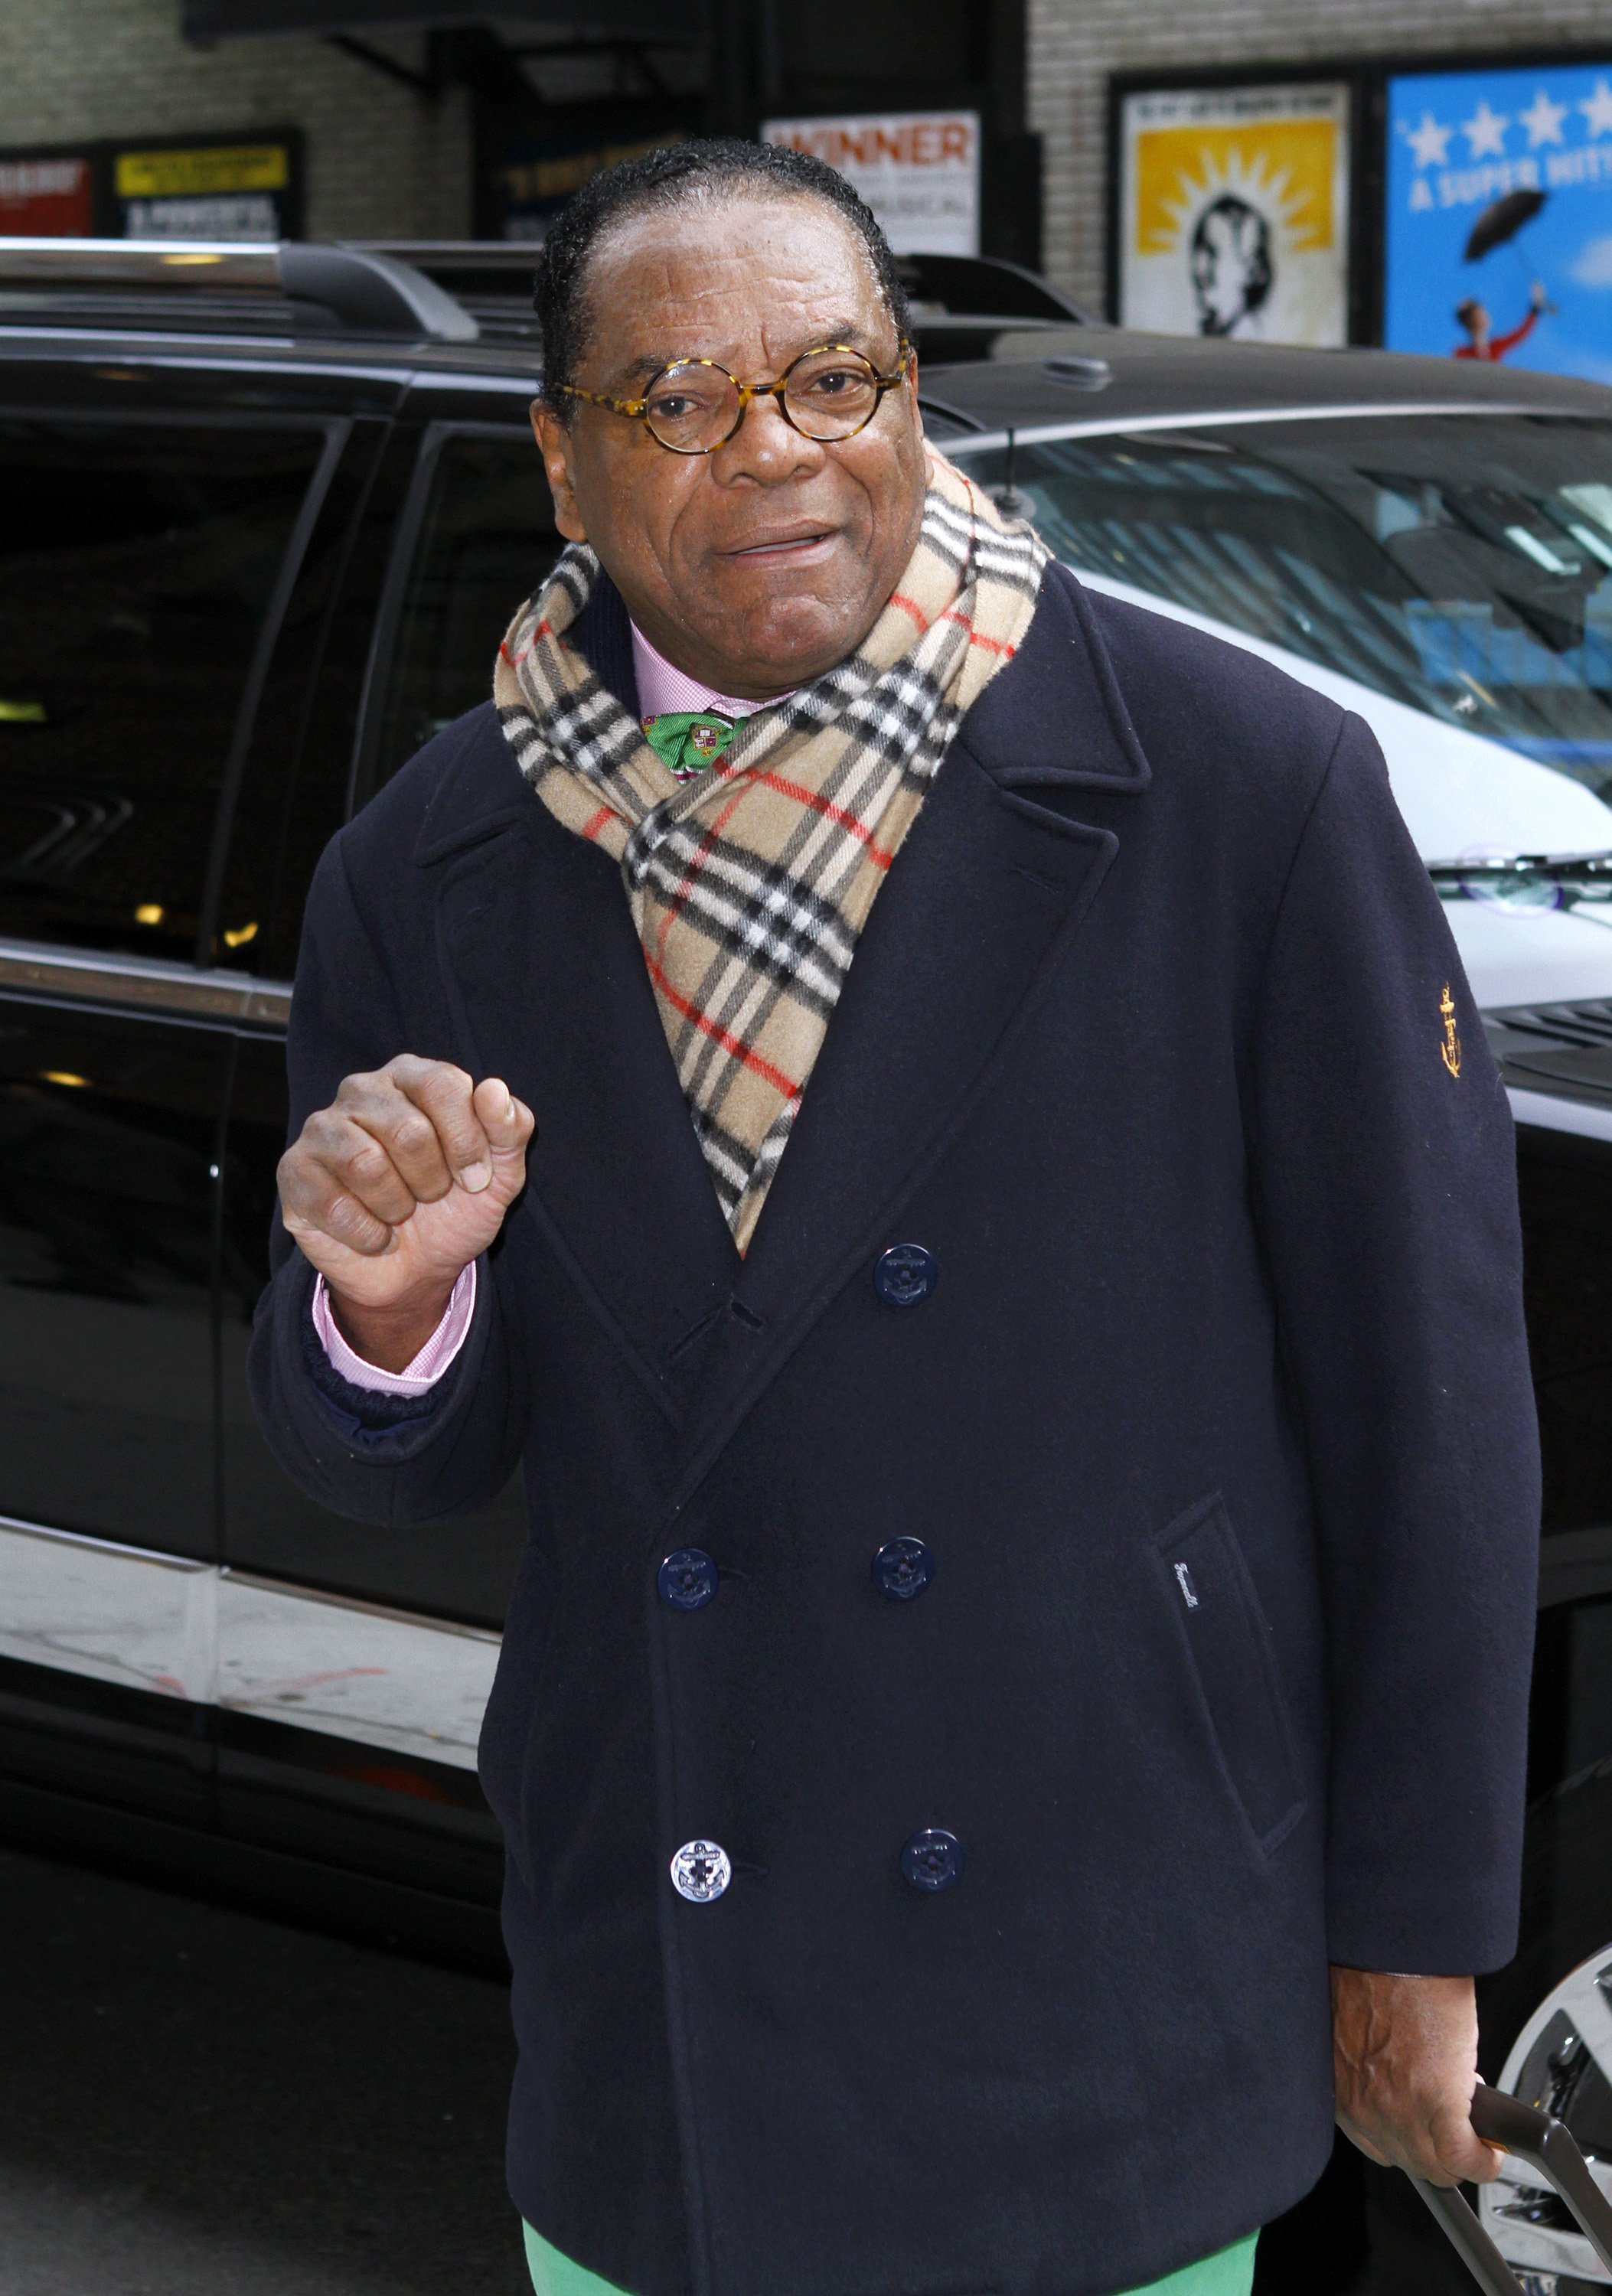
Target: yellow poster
x=227, y=168
x=1234, y=213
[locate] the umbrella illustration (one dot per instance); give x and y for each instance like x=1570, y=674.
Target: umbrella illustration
x=1501, y=221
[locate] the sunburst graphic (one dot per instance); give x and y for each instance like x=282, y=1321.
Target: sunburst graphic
x=1284, y=169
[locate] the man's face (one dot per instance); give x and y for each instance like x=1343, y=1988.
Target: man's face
x=757, y=566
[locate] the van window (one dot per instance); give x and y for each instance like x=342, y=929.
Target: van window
x=137, y=564
x=486, y=541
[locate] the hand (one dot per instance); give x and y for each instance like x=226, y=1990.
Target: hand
x=1404, y=2059
x=395, y=1188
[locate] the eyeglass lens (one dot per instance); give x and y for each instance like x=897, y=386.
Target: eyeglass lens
x=828, y=395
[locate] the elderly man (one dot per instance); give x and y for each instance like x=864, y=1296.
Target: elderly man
x=1008, y=1308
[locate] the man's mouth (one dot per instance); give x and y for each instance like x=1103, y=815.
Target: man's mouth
x=789, y=547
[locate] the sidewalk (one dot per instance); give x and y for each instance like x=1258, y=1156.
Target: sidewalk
x=199, y=2100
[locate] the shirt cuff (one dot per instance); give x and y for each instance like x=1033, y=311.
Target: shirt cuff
x=427, y=1367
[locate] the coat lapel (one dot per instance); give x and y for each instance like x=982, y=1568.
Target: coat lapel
x=548, y=989
x=994, y=881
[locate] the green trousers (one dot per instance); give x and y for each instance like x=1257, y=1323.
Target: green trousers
x=1228, y=2274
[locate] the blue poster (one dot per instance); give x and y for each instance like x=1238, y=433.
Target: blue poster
x=1499, y=242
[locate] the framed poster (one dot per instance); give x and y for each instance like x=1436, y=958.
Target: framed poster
x=530, y=159
x=1233, y=211
x=47, y=195
x=920, y=172
x=213, y=188
x=1498, y=215
x=536, y=173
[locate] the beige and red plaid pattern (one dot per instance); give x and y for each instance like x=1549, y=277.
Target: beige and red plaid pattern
x=750, y=886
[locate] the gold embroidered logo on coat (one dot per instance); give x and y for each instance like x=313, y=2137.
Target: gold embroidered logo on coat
x=1449, y=1052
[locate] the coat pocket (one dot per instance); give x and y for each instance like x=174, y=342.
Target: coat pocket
x=1228, y=1644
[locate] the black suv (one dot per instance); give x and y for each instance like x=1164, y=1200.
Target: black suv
x=267, y=511
x=267, y=514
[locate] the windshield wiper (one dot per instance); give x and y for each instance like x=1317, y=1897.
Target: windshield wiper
x=1563, y=868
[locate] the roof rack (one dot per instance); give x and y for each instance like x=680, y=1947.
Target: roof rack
x=360, y=289
x=985, y=287
x=957, y=299
x=489, y=278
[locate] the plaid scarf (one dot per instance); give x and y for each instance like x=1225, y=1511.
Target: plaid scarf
x=750, y=886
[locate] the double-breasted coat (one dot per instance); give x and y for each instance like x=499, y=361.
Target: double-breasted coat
x=1199, y=1375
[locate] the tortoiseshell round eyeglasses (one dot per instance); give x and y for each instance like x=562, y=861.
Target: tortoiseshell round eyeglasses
x=694, y=406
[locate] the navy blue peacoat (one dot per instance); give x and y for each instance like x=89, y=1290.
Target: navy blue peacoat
x=1215, y=1421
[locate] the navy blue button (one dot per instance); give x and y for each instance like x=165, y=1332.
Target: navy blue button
x=932, y=1860
x=687, y=1580
x=902, y=1567
x=905, y=1274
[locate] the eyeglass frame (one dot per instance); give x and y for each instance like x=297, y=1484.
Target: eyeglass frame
x=637, y=409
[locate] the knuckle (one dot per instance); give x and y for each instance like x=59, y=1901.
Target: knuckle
x=324, y=1125
x=420, y=1075
x=442, y=1080
x=360, y=1086
x=367, y=1161
x=298, y=1182
x=415, y=1134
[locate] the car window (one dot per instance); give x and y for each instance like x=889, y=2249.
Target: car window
x=1460, y=564
x=137, y=565
x=484, y=543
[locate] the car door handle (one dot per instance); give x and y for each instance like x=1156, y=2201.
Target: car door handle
x=1545, y=2144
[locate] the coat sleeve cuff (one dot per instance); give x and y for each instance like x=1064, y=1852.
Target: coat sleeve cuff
x=369, y=1417
x=1425, y=1933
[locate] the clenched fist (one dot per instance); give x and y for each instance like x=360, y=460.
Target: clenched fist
x=395, y=1188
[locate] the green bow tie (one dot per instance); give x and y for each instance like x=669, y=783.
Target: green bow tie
x=689, y=740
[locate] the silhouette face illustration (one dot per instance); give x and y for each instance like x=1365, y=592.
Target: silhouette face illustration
x=1232, y=266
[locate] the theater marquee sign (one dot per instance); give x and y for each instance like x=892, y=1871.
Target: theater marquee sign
x=919, y=171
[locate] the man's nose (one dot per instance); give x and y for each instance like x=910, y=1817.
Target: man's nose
x=766, y=447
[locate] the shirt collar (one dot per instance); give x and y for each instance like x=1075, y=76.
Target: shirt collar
x=661, y=686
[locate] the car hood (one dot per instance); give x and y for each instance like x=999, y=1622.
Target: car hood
x=1465, y=798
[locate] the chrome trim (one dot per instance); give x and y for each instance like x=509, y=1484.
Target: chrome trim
x=363, y=288
x=353, y=1669
x=145, y=984
x=1554, y=1114
x=350, y=1603
x=1038, y=434
x=450, y=379
x=249, y=1645
x=194, y=263
x=113, y=1614
x=128, y=346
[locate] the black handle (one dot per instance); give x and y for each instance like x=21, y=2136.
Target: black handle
x=1544, y=2144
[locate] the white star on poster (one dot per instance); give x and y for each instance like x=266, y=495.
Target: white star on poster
x=1596, y=109
x=1431, y=142
x=1543, y=120
x=1485, y=132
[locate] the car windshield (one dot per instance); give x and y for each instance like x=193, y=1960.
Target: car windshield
x=1458, y=563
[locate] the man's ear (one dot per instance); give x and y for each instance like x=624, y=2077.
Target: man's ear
x=554, y=444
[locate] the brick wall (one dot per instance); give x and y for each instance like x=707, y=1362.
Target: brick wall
x=1074, y=45
x=382, y=163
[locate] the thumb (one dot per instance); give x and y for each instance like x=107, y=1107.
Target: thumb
x=508, y=1123
x=1460, y=2151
